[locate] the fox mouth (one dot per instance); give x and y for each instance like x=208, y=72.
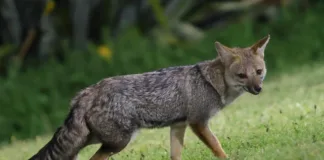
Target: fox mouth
x=250, y=90
x=246, y=89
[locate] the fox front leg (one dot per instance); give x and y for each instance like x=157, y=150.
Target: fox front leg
x=210, y=140
x=177, y=133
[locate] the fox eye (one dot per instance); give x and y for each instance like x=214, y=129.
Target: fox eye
x=259, y=71
x=242, y=75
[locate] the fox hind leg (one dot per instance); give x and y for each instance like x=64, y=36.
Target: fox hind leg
x=113, y=136
x=108, y=149
x=75, y=157
x=105, y=152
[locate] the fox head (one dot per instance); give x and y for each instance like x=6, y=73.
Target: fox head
x=245, y=68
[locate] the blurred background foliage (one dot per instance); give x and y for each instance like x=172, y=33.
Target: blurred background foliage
x=50, y=49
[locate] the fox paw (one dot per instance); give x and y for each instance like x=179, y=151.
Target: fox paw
x=222, y=156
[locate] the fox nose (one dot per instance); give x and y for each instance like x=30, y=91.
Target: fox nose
x=258, y=89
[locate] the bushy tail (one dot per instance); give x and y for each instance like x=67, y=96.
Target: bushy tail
x=67, y=140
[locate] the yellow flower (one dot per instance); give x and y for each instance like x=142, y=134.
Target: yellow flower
x=49, y=7
x=104, y=52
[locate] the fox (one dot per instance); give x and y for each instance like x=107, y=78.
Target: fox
x=111, y=111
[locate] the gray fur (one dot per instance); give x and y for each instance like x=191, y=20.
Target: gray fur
x=112, y=110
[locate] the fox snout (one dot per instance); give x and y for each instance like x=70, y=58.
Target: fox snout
x=255, y=86
x=255, y=89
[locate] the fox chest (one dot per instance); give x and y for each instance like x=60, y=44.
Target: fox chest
x=225, y=101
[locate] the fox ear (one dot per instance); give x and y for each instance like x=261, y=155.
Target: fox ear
x=260, y=46
x=226, y=54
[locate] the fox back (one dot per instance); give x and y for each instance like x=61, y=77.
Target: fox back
x=154, y=99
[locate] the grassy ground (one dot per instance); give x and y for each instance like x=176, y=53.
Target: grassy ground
x=286, y=121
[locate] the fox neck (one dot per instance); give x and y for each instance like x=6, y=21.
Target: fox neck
x=231, y=94
x=214, y=73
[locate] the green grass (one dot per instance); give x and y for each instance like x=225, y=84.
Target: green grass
x=281, y=123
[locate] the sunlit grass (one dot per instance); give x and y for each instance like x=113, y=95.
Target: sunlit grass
x=286, y=121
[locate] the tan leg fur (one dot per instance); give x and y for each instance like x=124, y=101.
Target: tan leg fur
x=206, y=136
x=102, y=154
x=177, y=133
